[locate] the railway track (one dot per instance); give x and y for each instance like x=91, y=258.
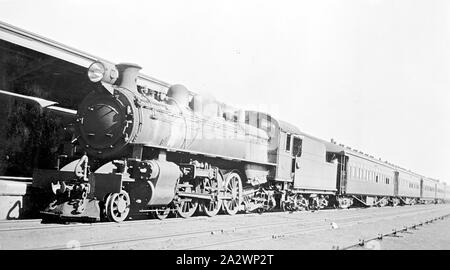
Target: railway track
x=12, y=225
x=16, y=225
x=309, y=229
x=217, y=232
x=184, y=234
x=233, y=234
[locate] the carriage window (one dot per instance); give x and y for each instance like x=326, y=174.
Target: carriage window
x=376, y=179
x=288, y=142
x=297, y=147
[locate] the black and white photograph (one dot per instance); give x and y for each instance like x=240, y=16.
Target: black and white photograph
x=246, y=128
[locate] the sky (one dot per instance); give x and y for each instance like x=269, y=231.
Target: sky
x=371, y=74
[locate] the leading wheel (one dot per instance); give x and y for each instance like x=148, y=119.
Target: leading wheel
x=212, y=186
x=233, y=193
x=118, y=206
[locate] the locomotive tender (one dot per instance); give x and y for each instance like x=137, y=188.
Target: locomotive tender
x=151, y=152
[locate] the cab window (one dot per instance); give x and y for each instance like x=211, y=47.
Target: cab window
x=288, y=142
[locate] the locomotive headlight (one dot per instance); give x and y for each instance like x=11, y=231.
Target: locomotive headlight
x=96, y=72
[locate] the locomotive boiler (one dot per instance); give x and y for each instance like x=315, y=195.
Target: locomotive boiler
x=145, y=151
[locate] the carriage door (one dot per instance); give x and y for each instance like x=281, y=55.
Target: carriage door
x=296, y=154
x=342, y=174
x=396, y=183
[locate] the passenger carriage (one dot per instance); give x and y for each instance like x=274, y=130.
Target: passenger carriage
x=408, y=190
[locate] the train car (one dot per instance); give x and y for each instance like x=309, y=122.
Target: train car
x=362, y=178
x=370, y=181
x=428, y=190
x=408, y=186
x=440, y=191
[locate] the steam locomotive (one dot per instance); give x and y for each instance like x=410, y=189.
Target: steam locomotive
x=145, y=151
